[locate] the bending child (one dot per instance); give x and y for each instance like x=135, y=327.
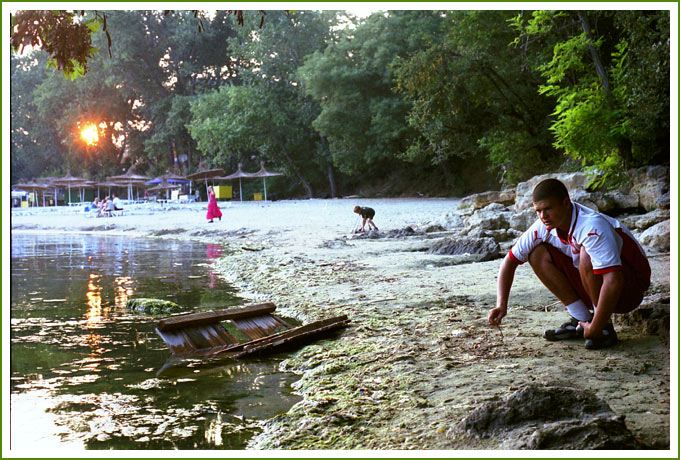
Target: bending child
x=367, y=214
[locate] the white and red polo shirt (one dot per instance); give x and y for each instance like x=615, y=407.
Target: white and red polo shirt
x=608, y=242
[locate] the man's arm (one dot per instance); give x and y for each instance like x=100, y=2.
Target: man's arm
x=612, y=284
x=506, y=275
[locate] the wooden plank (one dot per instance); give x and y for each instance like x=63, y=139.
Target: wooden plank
x=300, y=329
x=211, y=317
x=293, y=335
x=201, y=335
x=213, y=335
x=226, y=336
x=249, y=328
x=257, y=327
x=270, y=322
x=191, y=339
x=283, y=322
x=177, y=341
x=290, y=335
x=215, y=351
x=300, y=333
x=198, y=339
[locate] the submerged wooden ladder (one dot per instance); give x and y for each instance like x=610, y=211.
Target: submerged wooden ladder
x=202, y=334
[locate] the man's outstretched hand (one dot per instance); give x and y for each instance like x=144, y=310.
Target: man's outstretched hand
x=496, y=315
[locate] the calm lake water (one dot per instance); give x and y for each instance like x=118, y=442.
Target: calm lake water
x=88, y=374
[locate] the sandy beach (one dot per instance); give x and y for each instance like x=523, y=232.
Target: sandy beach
x=419, y=354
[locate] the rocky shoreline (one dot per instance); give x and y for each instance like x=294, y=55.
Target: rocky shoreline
x=419, y=357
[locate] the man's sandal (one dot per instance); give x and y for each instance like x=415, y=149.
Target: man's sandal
x=568, y=330
x=606, y=340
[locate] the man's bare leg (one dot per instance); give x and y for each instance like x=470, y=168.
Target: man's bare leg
x=557, y=282
x=591, y=282
x=551, y=277
x=600, y=332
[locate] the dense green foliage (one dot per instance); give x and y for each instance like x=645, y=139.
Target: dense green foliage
x=267, y=117
x=607, y=88
x=444, y=102
x=65, y=38
x=362, y=118
x=474, y=99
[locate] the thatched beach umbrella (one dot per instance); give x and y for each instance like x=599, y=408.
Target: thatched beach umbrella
x=107, y=185
x=31, y=187
x=174, y=179
x=84, y=185
x=23, y=186
x=263, y=173
x=129, y=179
x=68, y=180
x=205, y=174
x=237, y=175
x=164, y=186
x=50, y=183
x=129, y=183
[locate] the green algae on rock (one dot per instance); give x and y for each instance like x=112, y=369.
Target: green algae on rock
x=152, y=306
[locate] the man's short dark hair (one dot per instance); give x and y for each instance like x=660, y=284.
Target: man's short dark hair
x=549, y=188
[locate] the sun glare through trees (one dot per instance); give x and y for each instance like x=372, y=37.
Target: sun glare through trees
x=90, y=135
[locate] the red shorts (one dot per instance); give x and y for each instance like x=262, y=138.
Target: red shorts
x=633, y=289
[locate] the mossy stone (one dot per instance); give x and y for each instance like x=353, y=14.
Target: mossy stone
x=152, y=306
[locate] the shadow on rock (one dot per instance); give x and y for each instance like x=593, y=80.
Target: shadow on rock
x=652, y=317
x=396, y=233
x=367, y=235
x=484, y=248
x=403, y=232
x=549, y=417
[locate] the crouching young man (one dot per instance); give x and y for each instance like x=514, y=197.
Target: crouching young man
x=590, y=261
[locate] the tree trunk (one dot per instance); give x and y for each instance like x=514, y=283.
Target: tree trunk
x=299, y=175
x=626, y=150
x=304, y=182
x=595, y=55
x=172, y=155
x=291, y=165
x=448, y=179
x=331, y=181
x=624, y=144
x=119, y=152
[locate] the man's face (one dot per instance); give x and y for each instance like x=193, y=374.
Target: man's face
x=554, y=213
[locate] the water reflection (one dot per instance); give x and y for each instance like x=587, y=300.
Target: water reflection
x=212, y=251
x=123, y=290
x=213, y=434
x=93, y=365
x=94, y=300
